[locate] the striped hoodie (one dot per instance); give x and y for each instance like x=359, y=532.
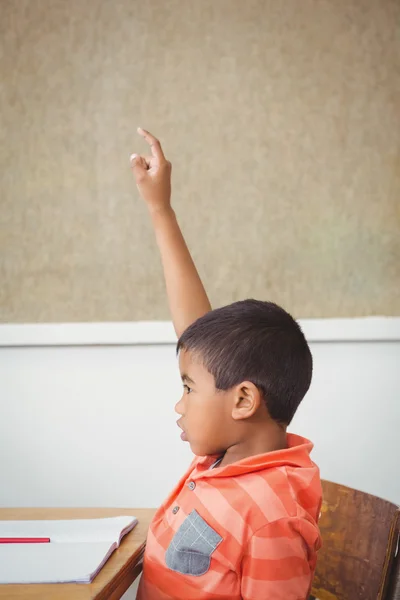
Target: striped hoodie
x=245, y=531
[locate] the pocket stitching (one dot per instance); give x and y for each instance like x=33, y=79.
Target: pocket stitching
x=191, y=525
x=200, y=535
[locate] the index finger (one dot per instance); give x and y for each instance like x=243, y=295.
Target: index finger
x=153, y=142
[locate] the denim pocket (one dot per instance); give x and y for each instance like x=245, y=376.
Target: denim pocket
x=191, y=547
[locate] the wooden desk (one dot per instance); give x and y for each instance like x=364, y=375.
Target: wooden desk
x=116, y=576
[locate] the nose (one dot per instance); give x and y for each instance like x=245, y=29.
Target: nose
x=179, y=407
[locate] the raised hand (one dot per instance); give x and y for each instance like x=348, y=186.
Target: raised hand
x=153, y=175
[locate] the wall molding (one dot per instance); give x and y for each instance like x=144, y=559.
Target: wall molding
x=366, y=329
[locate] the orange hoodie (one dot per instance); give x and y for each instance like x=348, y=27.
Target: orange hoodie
x=247, y=531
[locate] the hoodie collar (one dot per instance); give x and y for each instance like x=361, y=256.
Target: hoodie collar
x=297, y=454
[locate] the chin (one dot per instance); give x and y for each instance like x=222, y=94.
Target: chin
x=201, y=451
x=196, y=449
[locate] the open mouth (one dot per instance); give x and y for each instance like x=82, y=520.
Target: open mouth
x=183, y=434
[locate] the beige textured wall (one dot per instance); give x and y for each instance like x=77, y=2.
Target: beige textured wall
x=281, y=118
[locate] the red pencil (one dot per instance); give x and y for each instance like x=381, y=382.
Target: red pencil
x=24, y=540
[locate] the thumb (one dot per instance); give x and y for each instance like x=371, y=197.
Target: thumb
x=139, y=167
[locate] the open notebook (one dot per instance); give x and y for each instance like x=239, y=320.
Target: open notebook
x=77, y=551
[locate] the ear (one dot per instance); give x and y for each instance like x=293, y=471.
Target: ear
x=247, y=400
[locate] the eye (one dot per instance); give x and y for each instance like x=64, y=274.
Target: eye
x=187, y=388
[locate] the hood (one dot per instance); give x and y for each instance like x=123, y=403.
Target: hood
x=297, y=454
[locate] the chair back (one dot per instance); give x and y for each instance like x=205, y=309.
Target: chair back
x=360, y=535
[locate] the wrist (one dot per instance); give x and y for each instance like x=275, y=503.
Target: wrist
x=161, y=213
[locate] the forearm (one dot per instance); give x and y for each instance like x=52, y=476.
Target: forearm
x=187, y=297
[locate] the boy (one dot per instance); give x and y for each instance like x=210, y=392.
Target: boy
x=242, y=521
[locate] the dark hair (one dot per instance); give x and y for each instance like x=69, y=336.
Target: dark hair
x=258, y=342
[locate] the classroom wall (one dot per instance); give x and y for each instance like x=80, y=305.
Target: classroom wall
x=281, y=120
x=87, y=415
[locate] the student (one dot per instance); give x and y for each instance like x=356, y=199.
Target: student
x=242, y=521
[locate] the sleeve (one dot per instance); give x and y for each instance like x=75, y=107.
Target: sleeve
x=279, y=561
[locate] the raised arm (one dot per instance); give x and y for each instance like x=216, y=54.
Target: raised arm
x=187, y=297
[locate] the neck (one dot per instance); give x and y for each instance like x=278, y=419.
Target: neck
x=258, y=439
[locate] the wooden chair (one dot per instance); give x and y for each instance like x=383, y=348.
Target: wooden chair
x=360, y=536
x=394, y=582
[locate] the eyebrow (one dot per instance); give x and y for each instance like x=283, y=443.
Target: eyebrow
x=186, y=378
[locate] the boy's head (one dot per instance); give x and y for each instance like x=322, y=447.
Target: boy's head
x=242, y=366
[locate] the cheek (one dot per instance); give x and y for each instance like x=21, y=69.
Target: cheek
x=207, y=433
x=206, y=417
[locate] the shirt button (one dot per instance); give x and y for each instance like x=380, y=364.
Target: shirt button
x=175, y=509
x=191, y=485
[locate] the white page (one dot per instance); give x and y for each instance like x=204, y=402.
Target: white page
x=76, y=552
x=51, y=563
x=69, y=530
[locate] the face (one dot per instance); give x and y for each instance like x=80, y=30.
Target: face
x=205, y=413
